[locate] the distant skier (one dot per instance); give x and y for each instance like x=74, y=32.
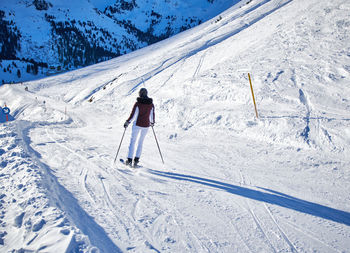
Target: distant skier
x=143, y=116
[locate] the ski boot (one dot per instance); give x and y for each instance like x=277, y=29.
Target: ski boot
x=136, y=162
x=128, y=162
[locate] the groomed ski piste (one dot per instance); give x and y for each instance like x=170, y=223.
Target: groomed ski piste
x=230, y=182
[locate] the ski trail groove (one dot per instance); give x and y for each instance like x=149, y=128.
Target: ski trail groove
x=82, y=177
x=200, y=63
x=110, y=204
x=241, y=237
x=285, y=237
x=175, y=213
x=291, y=245
x=259, y=225
x=310, y=235
x=136, y=195
x=70, y=205
x=112, y=207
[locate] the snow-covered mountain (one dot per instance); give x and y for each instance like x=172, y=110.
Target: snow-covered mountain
x=230, y=182
x=43, y=37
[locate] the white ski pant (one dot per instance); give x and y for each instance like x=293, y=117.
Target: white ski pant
x=140, y=132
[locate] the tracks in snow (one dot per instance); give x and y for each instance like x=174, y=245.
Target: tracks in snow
x=142, y=219
x=139, y=224
x=279, y=230
x=99, y=193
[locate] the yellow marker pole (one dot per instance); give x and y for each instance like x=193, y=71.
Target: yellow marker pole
x=251, y=88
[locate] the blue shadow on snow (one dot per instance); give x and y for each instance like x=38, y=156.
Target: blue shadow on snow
x=270, y=197
x=70, y=205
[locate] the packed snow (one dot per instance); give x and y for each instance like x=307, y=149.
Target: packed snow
x=231, y=182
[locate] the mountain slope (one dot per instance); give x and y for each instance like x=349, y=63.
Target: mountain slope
x=42, y=37
x=230, y=183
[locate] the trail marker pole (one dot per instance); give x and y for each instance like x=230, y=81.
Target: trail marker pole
x=251, y=88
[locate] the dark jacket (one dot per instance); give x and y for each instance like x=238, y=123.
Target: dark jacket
x=143, y=112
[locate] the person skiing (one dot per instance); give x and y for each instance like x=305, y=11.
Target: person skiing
x=143, y=116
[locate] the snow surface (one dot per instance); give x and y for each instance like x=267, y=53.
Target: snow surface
x=88, y=24
x=230, y=183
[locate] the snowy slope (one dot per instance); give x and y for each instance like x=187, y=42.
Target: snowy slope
x=43, y=37
x=230, y=183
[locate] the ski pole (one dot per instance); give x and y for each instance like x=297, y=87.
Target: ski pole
x=161, y=156
x=119, y=146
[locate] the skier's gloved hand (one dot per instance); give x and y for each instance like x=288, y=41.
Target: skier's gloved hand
x=126, y=124
x=152, y=124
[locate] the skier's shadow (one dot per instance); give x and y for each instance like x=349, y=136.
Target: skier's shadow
x=328, y=119
x=267, y=196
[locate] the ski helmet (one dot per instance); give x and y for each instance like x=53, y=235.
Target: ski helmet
x=143, y=93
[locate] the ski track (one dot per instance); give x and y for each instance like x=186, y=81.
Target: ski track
x=137, y=196
x=214, y=41
x=241, y=237
x=84, y=173
x=68, y=201
x=200, y=63
x=310, y=235
x=113, y=208
x=157, y=218
x=285, y=237
x=255, y=218
x=281, y=230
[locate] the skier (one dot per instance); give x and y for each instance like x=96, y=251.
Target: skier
x=143, y=116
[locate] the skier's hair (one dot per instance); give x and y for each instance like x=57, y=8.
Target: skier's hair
x=143, y=93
